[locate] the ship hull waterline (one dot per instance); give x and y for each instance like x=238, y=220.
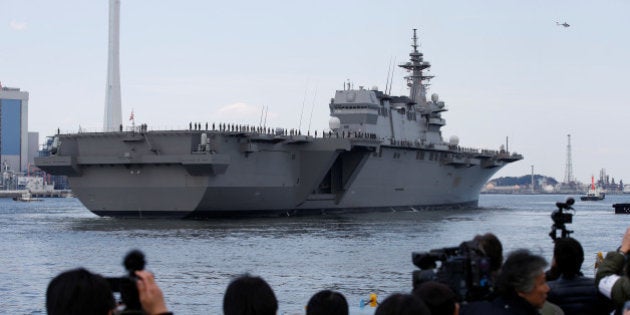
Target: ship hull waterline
x=310, y=176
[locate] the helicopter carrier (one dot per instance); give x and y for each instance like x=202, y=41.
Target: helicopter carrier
x=381, y=153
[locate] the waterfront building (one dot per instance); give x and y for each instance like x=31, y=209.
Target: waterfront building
x=14, y=136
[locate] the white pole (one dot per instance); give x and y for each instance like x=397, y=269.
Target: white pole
x=113, y=113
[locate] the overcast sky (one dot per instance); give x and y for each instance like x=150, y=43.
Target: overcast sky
x=503, y=67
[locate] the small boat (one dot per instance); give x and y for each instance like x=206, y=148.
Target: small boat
x=26, y=197
x=593, y=193
x=622, y=208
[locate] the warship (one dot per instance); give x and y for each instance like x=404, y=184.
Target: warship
x=380, y=153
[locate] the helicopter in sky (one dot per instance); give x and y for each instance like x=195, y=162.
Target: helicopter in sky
x=565, y=24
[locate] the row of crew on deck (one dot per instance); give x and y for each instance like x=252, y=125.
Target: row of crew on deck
x=267, y=131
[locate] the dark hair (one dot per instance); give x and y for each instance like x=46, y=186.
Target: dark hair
x=79, y=292
x=569, y=256
x=491, y=246
x=519, y=272
x=327, y=302
x=402, y=304
x=438, y=297
x=249, y=295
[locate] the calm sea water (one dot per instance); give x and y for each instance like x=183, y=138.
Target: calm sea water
x=194, y=261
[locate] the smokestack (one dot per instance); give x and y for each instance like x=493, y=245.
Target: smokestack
x=113, y=113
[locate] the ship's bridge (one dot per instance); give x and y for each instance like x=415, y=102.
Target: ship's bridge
x=356, y=107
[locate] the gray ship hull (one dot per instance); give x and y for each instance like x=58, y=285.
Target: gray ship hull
x=381, y=153
x=163, y=174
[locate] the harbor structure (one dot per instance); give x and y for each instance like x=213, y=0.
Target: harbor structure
x=569, y=184
x=568, y=168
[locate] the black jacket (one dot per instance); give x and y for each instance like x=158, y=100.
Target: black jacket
x=500, y=306
x=578, y=295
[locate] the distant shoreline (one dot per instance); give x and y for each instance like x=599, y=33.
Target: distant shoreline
x=544, y=193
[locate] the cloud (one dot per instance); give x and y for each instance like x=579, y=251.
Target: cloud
x=242, y=113
x=17, y=26
x=238, y=110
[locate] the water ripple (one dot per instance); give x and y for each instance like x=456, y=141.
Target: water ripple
x=357, y=254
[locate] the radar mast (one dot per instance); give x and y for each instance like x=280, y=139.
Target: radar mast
x=417, y=89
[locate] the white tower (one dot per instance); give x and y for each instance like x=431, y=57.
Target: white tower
x=113, y=112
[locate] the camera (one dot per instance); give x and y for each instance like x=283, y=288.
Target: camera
x=126, y=285
x=465, y=269
x=561, y=218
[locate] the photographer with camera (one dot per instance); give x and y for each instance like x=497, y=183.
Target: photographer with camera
x=491, y=247
x=150, y=294
x=80, y=292
x=521, y=287
x=469, y=269
x=611, y=279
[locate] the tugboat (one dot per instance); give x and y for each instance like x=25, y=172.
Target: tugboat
x=25, y=197
x=593, y=193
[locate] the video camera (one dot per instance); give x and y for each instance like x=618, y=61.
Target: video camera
x=126, y=285
x=561, y=218
x=465, y=269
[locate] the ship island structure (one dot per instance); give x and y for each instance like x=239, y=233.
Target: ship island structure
x=381, y=153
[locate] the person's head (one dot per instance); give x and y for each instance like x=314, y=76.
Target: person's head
x=523, y=275
x=327, y=302
x=78, y=291
x=491, y=246
x=402, y=304
x=249, y=295
x=569, y=256
x=438, y=297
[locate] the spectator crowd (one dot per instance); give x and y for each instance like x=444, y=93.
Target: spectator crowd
x=523, y=284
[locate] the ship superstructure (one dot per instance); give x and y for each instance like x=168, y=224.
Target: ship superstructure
x=393, y=119
x=381, y=152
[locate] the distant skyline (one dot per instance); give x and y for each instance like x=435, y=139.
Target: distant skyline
x=504, y=68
